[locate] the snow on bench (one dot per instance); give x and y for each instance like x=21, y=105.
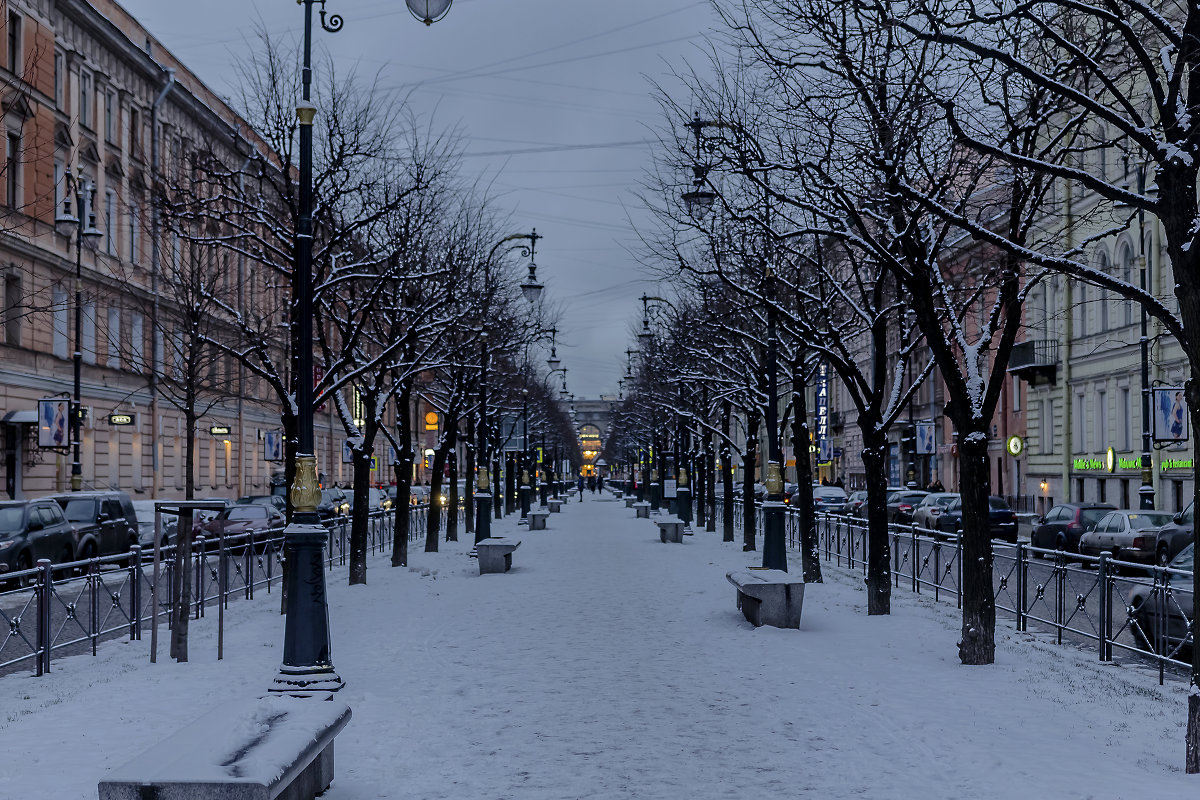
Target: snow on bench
x=670, y=529
x=769, y=596
x=274, y=748
x=642, y=509
x=630, y=499
x=495, y=554
x=537, y=520
x=555, y=506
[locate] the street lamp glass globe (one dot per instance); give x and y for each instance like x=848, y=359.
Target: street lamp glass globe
x=429, y=11
x=531, y=290
x=699, y=202
x=553, y=362
x=66, y=222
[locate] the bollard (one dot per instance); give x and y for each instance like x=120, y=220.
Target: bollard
x=44, y=592
x=135, y=593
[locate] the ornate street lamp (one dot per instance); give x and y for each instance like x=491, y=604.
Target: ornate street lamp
x=307, y=667
x=699, y=200
x=67, y=224
x=429, y=11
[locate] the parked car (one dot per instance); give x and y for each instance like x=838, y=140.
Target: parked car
x=1063, y=524
x=760, y=491
x=900, y=504
x=31, y=530
x=1160, y=620
x=932, y=506
x=419, y=495
x=333, y=504
x=1002, y=520
x=144, y=510
x=244, y=518
x=855, y=505
x=789, y=491
x=1175, y=536
x=276, y=501
x=1128, y=535
x=829, y=499
x=105, y=522
x=380, y=500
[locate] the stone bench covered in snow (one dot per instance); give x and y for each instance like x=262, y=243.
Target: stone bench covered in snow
x=495, y=554
x=274, y=748
x=670, y=529
x=642, y=509
x=769, y=596
x=555, y=506
x=537, y=520
x=630, y=499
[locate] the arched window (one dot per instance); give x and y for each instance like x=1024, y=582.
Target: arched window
x=1101, y=265
x=1125, y=262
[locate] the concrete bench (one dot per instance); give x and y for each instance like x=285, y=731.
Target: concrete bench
x=670, y=529
x=769, y=596
x=495, y=554
x=555, y=506
x=537, y=520
x=274, y=748
x=630, y=500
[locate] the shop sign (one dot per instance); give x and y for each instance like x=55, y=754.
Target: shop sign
x=1177, y=463
x=120, y=419
x=1109, y=462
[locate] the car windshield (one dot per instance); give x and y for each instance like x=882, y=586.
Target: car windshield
x=997, y=504
x=1090, y=517
x=81, y=509
x=829, y=493
x=246, y=512
x=11, y=518
x=1148, y=519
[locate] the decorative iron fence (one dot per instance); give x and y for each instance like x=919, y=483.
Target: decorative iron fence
x=1116, y=606
x=75, y=605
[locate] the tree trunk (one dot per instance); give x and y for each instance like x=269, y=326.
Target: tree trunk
x=749, y=463
x=710, y=480
x=878, y=555
x=726, y=474
x=469, y=483
x=810, y=545
x=359, y=519
x=433, y=522
x=452, y=502
x=1192, y=756
x=183, y=545
x=404, y=471
x=978, y=644
x=700, y=481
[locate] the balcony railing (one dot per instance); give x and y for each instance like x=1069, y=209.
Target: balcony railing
x=1035, y=360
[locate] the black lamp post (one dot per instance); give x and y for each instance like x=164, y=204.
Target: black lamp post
x=523, y=466
x=85, y=230
x=483, y=494
x=307, y=666
x=1146, y=490
x=774, y=536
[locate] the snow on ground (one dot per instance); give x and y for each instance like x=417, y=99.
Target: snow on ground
x=609, y=665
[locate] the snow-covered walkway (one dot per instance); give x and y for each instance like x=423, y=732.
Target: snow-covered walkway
x=609, y=665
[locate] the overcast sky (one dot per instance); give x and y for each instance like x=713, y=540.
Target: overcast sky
x=554, y=98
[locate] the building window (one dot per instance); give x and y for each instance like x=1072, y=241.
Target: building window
x=12, y=168
x=1101, y=419
x=1126, y=421
x=114, y=338
x=1127, y=276
x=137, y=341
x=85, y=100
x=134, y=232
x=88, y=338
x=1102, y=491
x=15, y=56
x=1016, y=393
x=59, y=73
x=1177, y=495
x=1078, y=428
x=110, y=115
x=135, y=133
x=12, y=310
x=1081, y=311
x=110, y=218
x=1046, y=427
x=1124, y=492
x=1079, y=490
x=59, y=299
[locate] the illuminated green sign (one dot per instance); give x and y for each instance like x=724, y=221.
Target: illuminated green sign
x=1178, y=463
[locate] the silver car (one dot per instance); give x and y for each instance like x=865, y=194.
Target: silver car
x=1129, y=535
x=931, y=507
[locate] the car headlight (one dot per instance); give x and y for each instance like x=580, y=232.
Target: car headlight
x=7, y=543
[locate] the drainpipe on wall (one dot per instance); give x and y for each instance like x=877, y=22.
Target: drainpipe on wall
x=155, y=266
x=1068, y=329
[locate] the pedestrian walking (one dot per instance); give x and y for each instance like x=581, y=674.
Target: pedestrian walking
x=580, y=487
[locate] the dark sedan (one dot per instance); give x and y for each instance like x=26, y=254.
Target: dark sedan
x=1062, y=526
x=828, y=499
x=1174, y=536
x=855, y=505
x=1160, y=618
x=900, y=505
x=1001, y=519
x=244, y=518
x=34, y=530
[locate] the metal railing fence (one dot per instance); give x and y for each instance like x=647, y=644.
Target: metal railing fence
x=1116, y=606
x=75, y=605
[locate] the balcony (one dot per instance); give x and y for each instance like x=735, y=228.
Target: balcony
x=1035, y=361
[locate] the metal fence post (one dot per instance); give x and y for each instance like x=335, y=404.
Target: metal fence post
x=1105, y=621
x=94, y=595
x=43, y=593
x=135, y=593
x=1021, y=570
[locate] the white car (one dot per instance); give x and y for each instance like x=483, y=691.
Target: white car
x=932, y=506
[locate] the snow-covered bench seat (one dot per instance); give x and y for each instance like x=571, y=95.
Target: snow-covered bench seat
x=670, y=529
x=555, y=505
x=495, y=554
x=275, y=748
x=769, y=596
x=537, y=520
x=642, y=509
